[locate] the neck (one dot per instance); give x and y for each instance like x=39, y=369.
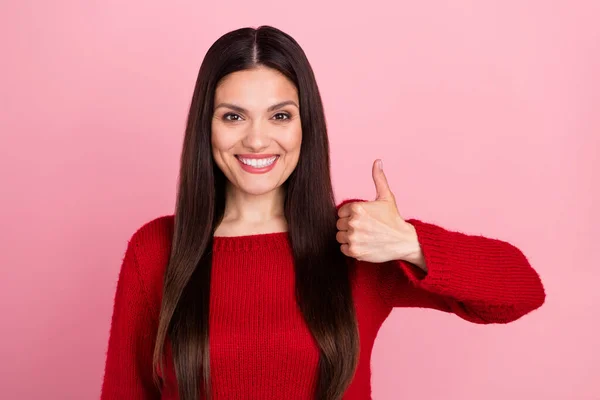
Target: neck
x=245, y=208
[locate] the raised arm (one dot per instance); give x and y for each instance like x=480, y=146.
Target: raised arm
x=480, y=279
x=419, y=264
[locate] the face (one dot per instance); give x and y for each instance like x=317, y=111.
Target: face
x=256, y=129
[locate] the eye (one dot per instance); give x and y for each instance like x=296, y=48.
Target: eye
x=232, y=117
x=281, y=116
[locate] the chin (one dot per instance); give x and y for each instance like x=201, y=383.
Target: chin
x=257, y=190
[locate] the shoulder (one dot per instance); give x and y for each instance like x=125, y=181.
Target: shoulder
x=156, y=233
x=151, y=244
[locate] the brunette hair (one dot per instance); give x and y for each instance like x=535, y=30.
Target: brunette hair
x=323, y=290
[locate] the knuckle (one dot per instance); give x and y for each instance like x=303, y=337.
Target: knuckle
x=351, y=238
x=354, y=223
x=355, y=208
x=352, y=249
x=345, y=250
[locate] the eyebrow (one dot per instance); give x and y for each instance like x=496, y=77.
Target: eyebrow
x=271, y=108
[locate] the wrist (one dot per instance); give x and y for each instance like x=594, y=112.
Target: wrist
x=413, y=253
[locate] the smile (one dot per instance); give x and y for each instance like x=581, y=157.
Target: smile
x=257, y=164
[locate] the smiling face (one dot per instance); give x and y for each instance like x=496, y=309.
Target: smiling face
x=256, y=129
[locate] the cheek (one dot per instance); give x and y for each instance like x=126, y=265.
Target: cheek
x=293, y=140
x=291, y=145
x=221, y=140
x=219, y=145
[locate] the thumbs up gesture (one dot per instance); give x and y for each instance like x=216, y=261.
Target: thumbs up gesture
x=374, y=231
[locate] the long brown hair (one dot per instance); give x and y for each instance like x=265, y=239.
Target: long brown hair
x=323, y=290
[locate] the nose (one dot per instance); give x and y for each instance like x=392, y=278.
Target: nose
x=257, y=137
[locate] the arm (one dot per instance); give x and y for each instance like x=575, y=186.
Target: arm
x=481, y=280
x=128, y=370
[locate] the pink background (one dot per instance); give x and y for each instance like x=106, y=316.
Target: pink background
x=486, y=114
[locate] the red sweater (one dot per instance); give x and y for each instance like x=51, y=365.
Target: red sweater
x=260, y=346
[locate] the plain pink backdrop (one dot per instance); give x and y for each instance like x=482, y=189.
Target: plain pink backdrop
x=486, y=114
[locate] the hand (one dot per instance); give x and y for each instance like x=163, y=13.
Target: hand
x=374, y=231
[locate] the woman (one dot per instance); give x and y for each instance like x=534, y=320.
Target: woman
x=292, y=288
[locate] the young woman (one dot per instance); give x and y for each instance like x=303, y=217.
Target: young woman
x=259, y=286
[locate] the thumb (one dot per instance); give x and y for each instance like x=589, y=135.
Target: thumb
x=381, y=184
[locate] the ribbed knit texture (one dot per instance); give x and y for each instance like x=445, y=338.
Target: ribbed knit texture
x=260, y=347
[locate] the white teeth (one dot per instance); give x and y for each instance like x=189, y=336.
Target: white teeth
x=258, y=163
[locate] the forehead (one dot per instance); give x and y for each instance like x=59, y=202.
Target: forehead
x=260, y=86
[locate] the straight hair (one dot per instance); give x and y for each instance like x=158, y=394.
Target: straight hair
x=322, y=273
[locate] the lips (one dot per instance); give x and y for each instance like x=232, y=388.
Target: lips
x=257, y=164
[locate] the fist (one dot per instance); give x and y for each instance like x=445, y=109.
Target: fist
x=374, y=231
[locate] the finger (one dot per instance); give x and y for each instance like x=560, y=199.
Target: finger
x=342, y=237
x=350, y=209
x=382, y=187
x=345, y=250
x=345, y=210
x=342, y=224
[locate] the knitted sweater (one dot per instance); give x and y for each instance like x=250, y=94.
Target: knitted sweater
x=260, y=347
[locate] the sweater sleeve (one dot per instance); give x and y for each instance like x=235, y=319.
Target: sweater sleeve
x=480, y=279
x=128, y=369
